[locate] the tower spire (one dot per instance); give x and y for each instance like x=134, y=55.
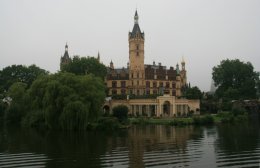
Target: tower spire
x=136, y=17
x=183, y=63
x=98, y=57
x=136, y=32
x=66, y=47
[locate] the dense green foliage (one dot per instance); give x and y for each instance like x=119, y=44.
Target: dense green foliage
x=203, y=120
x=85, y=65
x=65, y=101
x=235, y=80
x=120, y=112
x=19, y=73
x=232, y=117
x=193, y=93
x=17, y=109
x=107, y=123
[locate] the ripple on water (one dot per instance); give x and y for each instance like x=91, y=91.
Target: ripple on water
x=28, y=160
x=241, y=159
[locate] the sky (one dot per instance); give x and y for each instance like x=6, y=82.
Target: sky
x=204, y=32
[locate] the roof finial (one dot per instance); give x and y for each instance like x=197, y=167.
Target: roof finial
x=183, y=61
x=136, y=17
x=66, y=46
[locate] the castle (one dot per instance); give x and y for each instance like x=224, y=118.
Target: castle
x=148, y=90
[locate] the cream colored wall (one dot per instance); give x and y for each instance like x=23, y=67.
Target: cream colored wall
x=193, y=104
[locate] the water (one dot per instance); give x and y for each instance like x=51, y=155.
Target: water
x=139, y=146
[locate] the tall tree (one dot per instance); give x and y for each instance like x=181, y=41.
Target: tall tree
x=235, y=79
x=65, y=100
x=19, y=73
x=18, y=107
x=192, y=93
x=85, y=65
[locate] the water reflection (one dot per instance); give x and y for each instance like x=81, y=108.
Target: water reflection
x=238, y=145
x=139, y=146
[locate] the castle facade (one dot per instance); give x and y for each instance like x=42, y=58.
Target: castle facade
x=146, y=89
x=149, y=90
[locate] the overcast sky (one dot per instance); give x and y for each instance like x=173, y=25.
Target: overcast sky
x=203, y=31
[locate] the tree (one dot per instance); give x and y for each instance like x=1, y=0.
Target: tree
x=65, y=101
x=19, y=73
x=120, y=112
x=235, y=80
x=18, y=106
x=85, y=65
x=192, y=93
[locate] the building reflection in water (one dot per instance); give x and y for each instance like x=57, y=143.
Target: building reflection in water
x=153, y=145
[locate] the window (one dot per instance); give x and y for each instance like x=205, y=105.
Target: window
x=131, y=91
x=161, y=84
x=138, y=92
x=173, y=85
x=138, y=82
x=123, y=91
x=137, y=47
x=123, y=84
x=114, y=92
x=173, y=93
x=147, y=84
x=148, y=91
x=167, y=85
x=154, y=91
x=114, y=84
x=137, y=53
x=154, y=84
x=137, y=75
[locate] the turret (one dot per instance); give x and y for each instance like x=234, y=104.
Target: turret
x=111, y=65
x=65, y=59
x=182, y=64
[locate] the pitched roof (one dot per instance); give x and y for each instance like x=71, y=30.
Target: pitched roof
x=136, y=30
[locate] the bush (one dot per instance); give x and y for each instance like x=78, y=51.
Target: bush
x=13, y=114
x=203, y=120
x=3, y=107
x=108, y=123
x=179, y=122
x=34, y=119
x=226, y=117
x=238, y=110
x=120, y=112
x=74, y=116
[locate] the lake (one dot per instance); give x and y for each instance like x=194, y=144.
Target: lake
x=139, y=146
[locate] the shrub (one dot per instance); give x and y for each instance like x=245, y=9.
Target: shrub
x=108, y=123
x=203, y=120
x=120, y=112
x=226, y=117
x=238, y=110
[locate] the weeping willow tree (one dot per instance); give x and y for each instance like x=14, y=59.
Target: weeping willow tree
x=65, y=101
